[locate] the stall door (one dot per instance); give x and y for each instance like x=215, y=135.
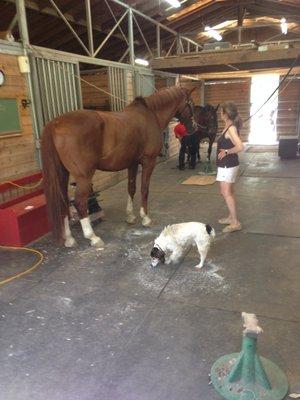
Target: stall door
x=56, y=88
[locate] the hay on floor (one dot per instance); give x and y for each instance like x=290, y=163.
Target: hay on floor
x=200, y=180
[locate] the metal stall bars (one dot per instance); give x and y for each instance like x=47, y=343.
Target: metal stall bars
x=117, y=88
x=56, y=87
x=144, y=83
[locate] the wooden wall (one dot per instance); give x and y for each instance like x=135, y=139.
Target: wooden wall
x=17, y=153
x=160, y=82
x=236, y=90
x=92, y=98
x=289, y=108
x=97, y=100
x=197, y=92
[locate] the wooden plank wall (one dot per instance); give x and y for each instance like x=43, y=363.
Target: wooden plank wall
x=92, y=98
x=160, y=82
x=289, y=109
x=236, y=90
x=17, y=153
x=97, y=100
x=190, y=84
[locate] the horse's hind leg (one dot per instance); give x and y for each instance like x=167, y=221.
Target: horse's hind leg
x=69, y=240
x=148, y=166
x=67, y=235
x=83, y=188
x=132, y=173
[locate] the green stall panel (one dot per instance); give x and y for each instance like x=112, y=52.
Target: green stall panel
x=9, y=116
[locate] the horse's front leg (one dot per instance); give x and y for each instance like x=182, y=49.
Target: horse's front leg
x=132, y=173
x=148, y=166
x=83, y=188
x=211, y=142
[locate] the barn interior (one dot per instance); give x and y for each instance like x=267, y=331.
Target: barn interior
x=99, y=323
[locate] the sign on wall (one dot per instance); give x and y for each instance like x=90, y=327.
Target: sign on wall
x=9, y=116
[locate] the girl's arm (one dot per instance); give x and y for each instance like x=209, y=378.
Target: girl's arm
x=236, y=140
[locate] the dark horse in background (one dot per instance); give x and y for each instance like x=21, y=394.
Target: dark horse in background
x=80, y=142
x=206, y=120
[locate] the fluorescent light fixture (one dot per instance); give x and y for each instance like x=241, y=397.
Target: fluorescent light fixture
x=284, y=26
x=212, y=33
x=141, y=61
x=174, y=3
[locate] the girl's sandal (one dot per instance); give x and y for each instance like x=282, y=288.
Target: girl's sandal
x=224, y=221
x=232, y=228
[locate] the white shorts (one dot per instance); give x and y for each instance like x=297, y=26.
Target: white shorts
x=227, y=174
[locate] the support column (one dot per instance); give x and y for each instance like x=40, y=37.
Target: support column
x=158, y=40
x=23, y=28
x=89, y=26
x=202, y=93
x=178, y=45
x=130, y=37
x=22, y=21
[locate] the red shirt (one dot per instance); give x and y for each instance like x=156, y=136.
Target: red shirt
x=180, y=130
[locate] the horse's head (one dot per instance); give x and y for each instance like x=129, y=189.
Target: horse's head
x=185, y=111
x=211, y=117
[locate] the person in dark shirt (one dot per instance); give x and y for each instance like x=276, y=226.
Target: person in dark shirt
x=187, y=143
x=229, y=145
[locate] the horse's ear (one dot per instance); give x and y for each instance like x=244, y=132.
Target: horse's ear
x=217, y=107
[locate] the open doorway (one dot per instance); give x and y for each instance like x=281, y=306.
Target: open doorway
x=263, y=124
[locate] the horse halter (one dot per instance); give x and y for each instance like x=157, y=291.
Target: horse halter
x=188, y=104
x=191, y=119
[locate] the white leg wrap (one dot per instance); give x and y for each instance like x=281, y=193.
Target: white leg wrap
x=146, y=221
x=129, y=211
x=69, y=240
x=88, y=233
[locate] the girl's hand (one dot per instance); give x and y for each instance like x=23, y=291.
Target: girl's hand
x=221, y=154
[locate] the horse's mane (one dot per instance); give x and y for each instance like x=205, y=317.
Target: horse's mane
x=159, y=99
x=163, y=97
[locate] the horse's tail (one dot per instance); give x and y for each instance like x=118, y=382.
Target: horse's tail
x=55, y=177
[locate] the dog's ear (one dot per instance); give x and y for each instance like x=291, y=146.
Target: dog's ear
x=159, y=254
x=154, y=252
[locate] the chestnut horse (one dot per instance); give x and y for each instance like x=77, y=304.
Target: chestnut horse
x=83, y=141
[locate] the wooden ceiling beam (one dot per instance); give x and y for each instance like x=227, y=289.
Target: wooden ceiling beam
x=245, y=73
x=34, y=6
x=58, y=38
x=220, y=58
x=176, y=25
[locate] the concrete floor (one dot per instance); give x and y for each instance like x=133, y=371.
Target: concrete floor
x=91, y=324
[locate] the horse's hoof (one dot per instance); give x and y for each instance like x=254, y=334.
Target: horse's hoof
x=130, y=219
x=146, y=221
x=97, y=242
x=70, y=242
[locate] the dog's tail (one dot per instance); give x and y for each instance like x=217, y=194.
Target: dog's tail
x=210, y=231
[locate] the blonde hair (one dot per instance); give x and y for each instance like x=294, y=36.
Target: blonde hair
x=230, y=109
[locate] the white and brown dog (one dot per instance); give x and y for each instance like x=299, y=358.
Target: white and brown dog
x=176, y=240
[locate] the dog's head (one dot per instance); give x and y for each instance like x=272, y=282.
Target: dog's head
x=157, y=255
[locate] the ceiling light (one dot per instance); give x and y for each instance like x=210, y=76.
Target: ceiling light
x=284, y=26
x=212, y=33
x=174, y=3
x=141, y=61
